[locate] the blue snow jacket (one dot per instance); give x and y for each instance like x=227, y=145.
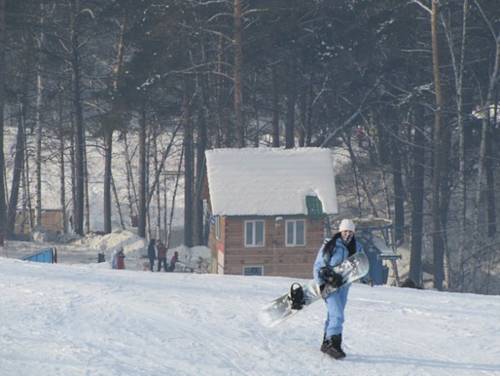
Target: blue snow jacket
x=338, y=251
x=337, y=300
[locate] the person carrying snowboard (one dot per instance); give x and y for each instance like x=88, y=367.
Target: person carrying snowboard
x=335, y=250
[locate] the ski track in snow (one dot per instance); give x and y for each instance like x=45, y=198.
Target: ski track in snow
x=62, y=320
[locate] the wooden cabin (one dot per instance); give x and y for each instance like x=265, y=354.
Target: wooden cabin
x=268, y=208
x=52, y=221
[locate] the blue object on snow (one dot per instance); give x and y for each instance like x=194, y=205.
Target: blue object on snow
x=47, y=255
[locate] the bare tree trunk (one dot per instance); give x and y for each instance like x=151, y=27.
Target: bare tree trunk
x=291, y=100
x=397, y=179
x=309, y=113
x=131, y=191
x=108, y=152
x=73, y=175
x=437, y=240
x=188, y=172
x=484, y=131
x=86, y=181
x=276, y=110
x=238, y=65
x=16, y=174
x=79, y=128
x=490, y=184
x=110, y=127
x=224, y=131
x=165, y=208
x=141, y=230
x=417, y=198
x=174, y=194
x=38, y=120
x=158, y=200
x=62, y=164
x=302, y=127
x=25, y=214
x=3, y=214
x=458, y=71
x=117, y=201
x=255, y=103
x=28, y=183
x=200, y=176
x=38, y=159
x=386, y=193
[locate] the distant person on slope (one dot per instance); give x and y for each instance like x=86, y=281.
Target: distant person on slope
x=173, y=261
x=332, y=253
x=119, y=259
x=162, y=256
x=151, y=254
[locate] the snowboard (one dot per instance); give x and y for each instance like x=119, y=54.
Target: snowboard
x=302, y=295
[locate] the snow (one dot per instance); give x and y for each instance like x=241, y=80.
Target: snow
x=270, y=181
x=77, y=320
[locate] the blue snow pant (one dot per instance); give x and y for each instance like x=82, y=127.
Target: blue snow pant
x=335, y=304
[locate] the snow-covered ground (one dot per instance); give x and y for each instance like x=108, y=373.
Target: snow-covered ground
x=78, y=320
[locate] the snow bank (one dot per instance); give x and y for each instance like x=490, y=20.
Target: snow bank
x=196, y=258
x=133, y=246
x=127, y=240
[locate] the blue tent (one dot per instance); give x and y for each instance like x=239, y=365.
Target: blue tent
x=375, y=236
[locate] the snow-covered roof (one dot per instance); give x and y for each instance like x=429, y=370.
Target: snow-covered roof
x=270, y=181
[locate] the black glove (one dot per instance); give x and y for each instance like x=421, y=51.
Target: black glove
x=329, y=276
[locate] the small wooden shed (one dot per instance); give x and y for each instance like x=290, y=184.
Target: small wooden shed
x=268, y=208
x=52, y=221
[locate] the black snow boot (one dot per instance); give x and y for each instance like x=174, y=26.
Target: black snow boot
x=332, y=347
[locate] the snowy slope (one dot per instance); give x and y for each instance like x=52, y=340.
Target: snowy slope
x=77, y=320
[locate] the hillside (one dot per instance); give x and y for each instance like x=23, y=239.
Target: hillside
x=81, y=320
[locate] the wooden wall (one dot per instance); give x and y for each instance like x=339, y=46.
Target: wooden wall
x=276, y=258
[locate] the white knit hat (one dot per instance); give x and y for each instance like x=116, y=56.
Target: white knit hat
x=347, y=224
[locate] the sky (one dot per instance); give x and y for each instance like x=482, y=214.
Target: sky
x=60, y=319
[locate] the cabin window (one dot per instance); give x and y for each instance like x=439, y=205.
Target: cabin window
x=314, y=207
x=295, y=232
x=253, y=270
x=254, y=233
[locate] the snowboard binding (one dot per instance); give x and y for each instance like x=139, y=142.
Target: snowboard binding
x=297, y=296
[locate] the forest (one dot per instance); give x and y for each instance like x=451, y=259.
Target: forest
x=409, y=88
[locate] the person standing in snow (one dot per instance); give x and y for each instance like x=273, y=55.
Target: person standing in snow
x=173, y=260
x=151, y=254
x=333, y=252
x=120, y=259
x=162, y=256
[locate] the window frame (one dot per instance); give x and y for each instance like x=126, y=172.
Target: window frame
x=295, y=244
x=261, y=267
x=245, y=240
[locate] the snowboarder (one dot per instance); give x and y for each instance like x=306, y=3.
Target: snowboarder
x=151, y=254
x=162, y=256
x=332, y=253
